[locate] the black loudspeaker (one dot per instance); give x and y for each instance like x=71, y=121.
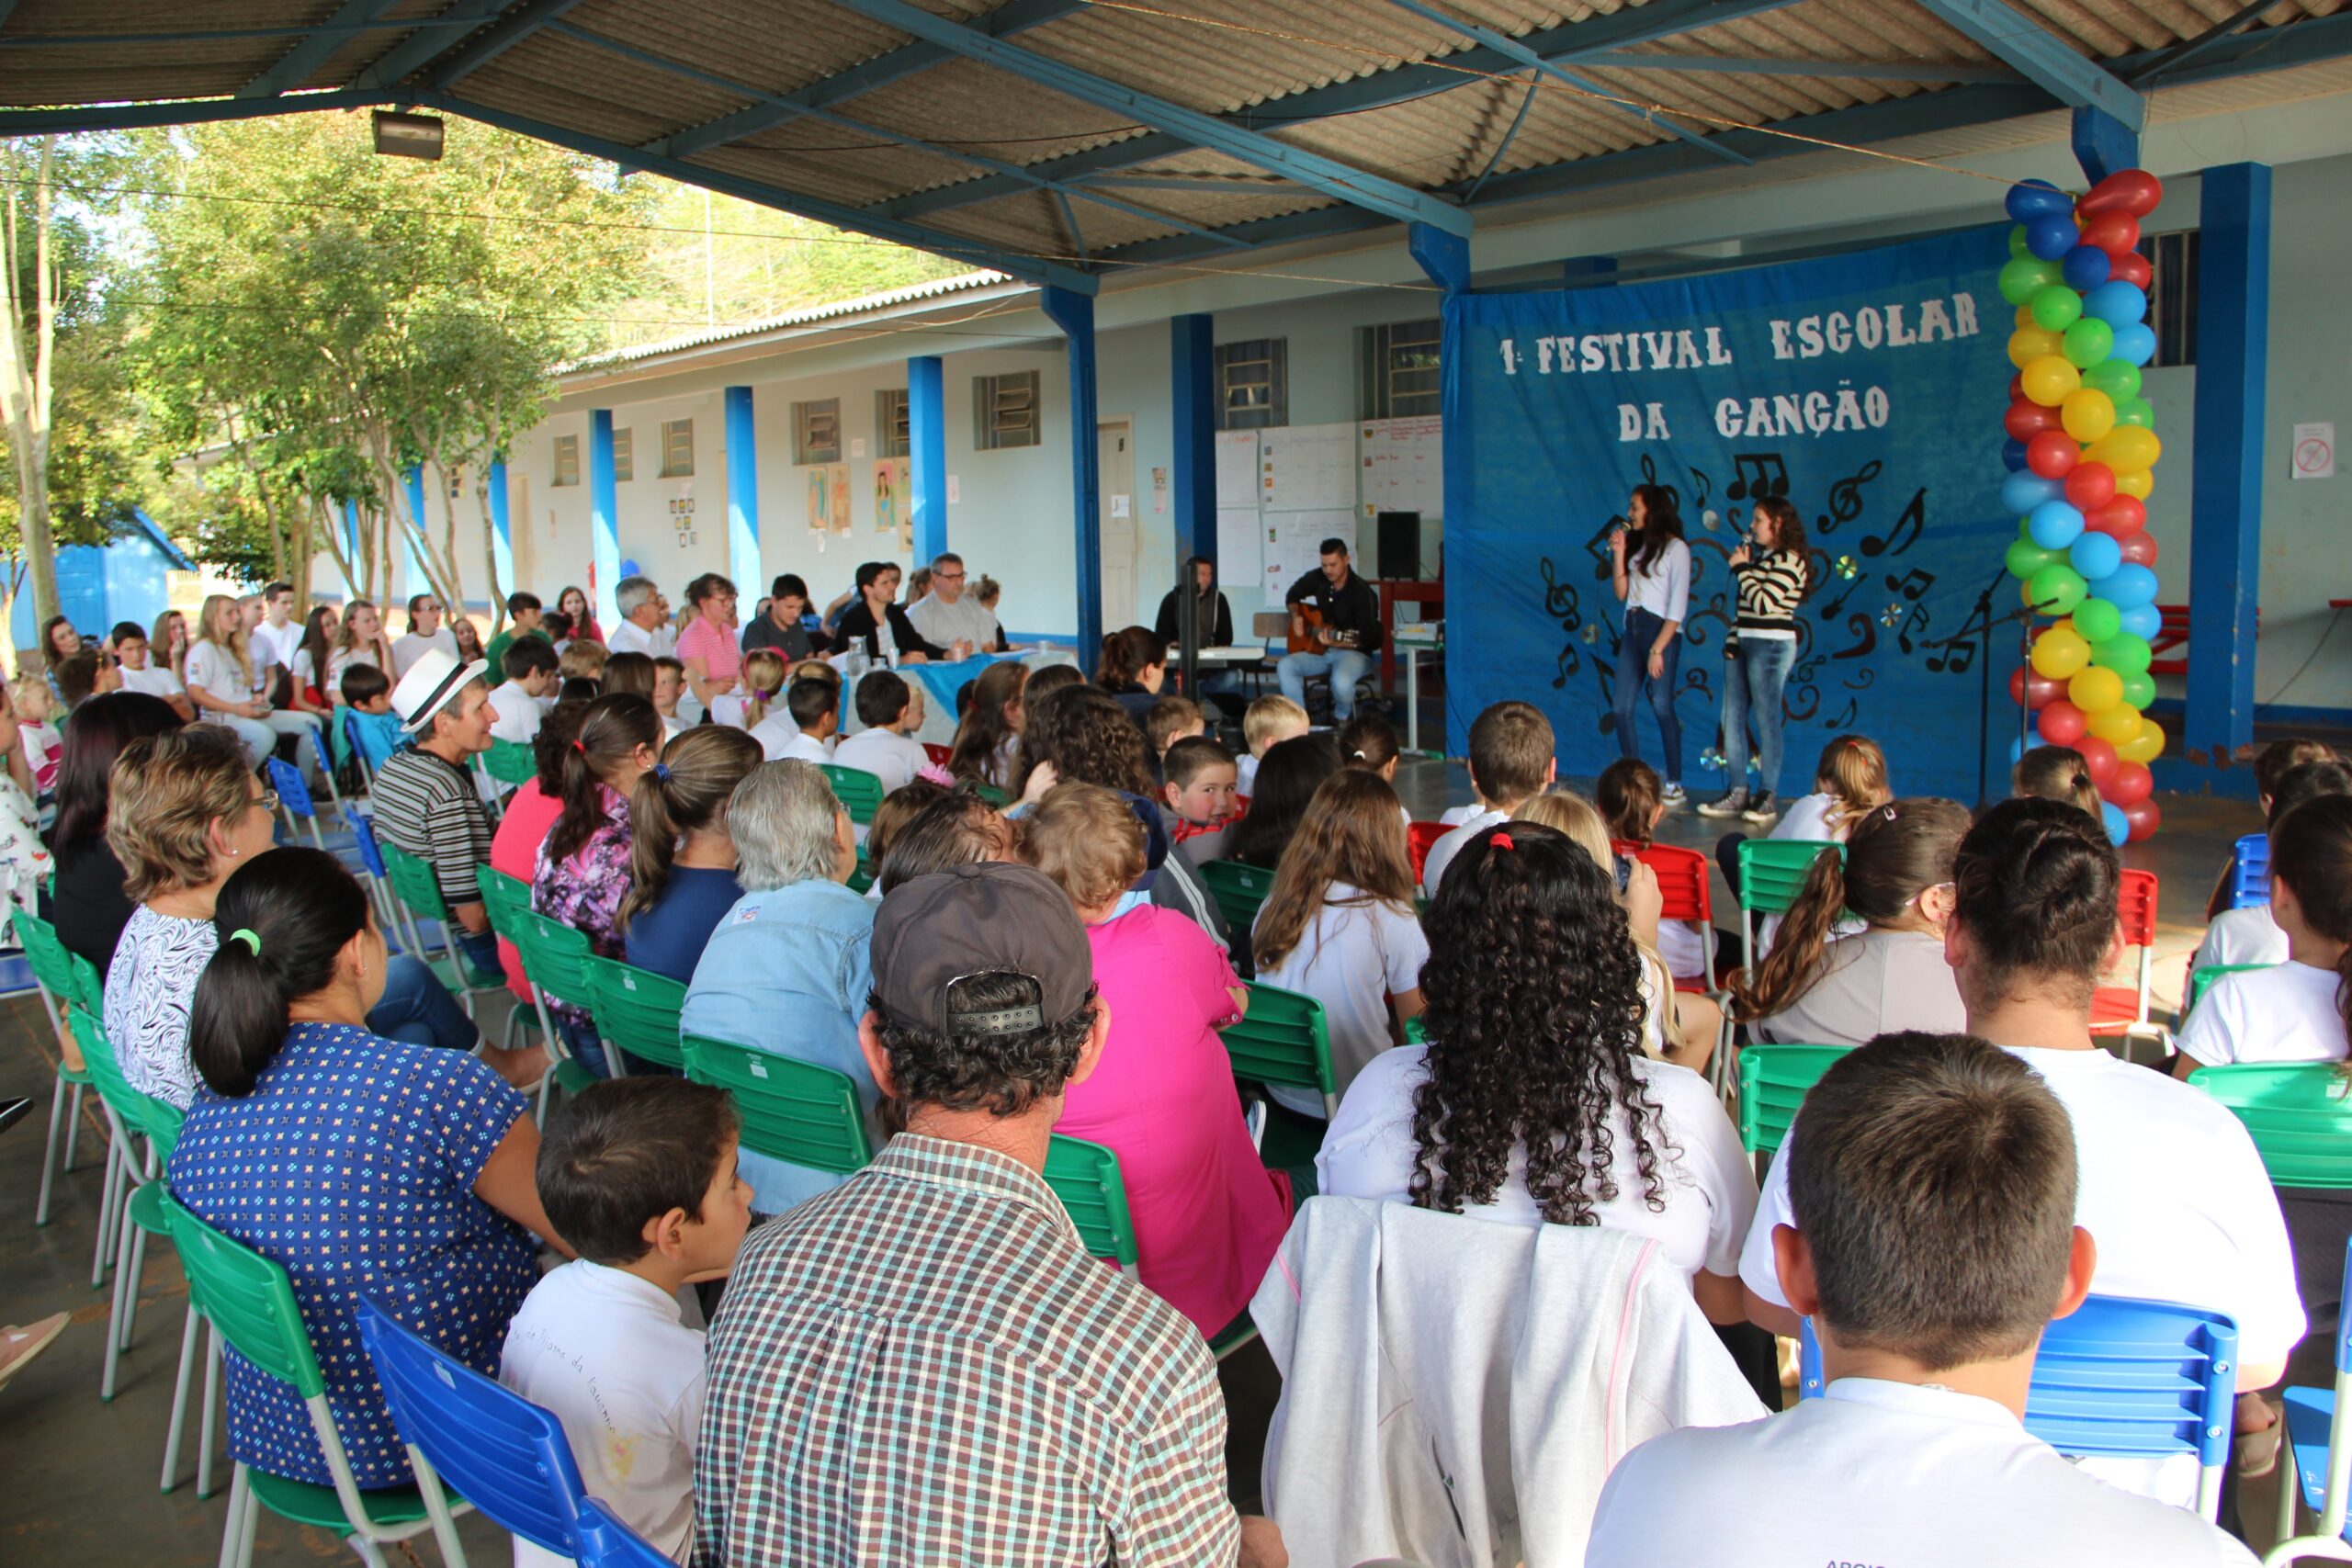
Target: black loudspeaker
x=1400, y=547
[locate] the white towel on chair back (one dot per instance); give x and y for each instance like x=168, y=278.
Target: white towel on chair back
x=1455, y=1391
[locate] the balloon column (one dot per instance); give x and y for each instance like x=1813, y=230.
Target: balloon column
x=2081, y=456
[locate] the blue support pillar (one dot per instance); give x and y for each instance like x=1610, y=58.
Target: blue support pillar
x=1446, y=259
x=2225, y=498
x=927, y=454
x=1582, y=270
x=417, y=581
x=2104, y=144
x=358, y=572
x=1074, y=313
x=742, y=496
x=502, y=532
x=604, y=517
x=1191, y=358
x=1444, y=256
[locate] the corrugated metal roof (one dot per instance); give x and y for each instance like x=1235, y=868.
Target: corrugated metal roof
x=841, y=310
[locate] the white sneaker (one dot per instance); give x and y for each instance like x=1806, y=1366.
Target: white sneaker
x=1675, y=798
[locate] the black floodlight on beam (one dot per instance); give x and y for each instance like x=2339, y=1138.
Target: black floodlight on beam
x=399, y=135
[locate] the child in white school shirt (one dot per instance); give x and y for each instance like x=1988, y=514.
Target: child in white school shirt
x=1510, y=759
x=891, y=709
x=2251, y=935
x=1930, y=1237
x=2170, y=1186
x=639, y=1174
x=2293, y=1012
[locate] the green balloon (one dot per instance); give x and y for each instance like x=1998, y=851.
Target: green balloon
x=2139, y=691
x=2057, y=308
x=2124, y=654
x=2056, y=590
x=2026, y=276
x=2097, y=621
x=2118, y=379
x=2017, y=247
x=2026, y=558
x=2137, y=412
x=2088, y=341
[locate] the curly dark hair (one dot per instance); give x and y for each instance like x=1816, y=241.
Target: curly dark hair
x=1089, y=738
x=1003, y=1074
x=1534, y=1020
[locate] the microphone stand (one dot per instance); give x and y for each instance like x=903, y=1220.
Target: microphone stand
x=2023, y=617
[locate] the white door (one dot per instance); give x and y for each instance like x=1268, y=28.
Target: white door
x=1115, y=514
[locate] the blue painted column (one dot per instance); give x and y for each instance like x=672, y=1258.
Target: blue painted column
x=742, y=497
x=927, y=455
x=502, y=529
x=603, y=515
x=2103, y=143
x=417, y=581
x=1191, y=359
x=1446, y=259
x=1074, y=313
x=2226, y=497
x=358, y=572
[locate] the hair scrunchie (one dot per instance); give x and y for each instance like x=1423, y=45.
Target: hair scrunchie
x=252, y=942
x=661, y=772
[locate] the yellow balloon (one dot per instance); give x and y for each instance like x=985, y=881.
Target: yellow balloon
x=2061, y=652
x=2116, y=724
x=2144, y=747
x=2029, y=344
x=2050, y=379
x=2025, y=317
x=2135, y=485
x=2095, y=690
x=2088, y=413
x=2127, y=449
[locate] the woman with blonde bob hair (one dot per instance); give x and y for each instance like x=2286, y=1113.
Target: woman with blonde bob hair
x=220, y=678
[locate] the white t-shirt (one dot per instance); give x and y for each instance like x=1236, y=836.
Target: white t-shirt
x=1454, y=816
x=1807, y=817
x=1351, y=957
x=1882, y=1472
x=214, y=668
x=410, y=647
x=1245, y=773
x=780, y=738
x=729, y=708
x=1710, y=1188
x=607, y=1353
x=1869, y=984
x=157, y=679
x=946, y=624
x=1684, y=950
x=629, y=637
x=2170, y=1186
x=518, y=711
x=2283, y=1014
x=1664, y=587
x=1450, y=844
x=893, y=758
x=266, y=644
x=2236, y=936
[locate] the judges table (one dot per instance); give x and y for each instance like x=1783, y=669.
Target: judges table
x=941, y=682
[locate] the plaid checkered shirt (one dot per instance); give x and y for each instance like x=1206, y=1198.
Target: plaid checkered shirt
x=923, y=1366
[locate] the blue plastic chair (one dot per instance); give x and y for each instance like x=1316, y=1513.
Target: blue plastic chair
x=2319, y=1455
x=2124, y=1379
x=503, y=1454
x=325, y=754
x=2250, y=871
x=605, y=1542
x=294, y=799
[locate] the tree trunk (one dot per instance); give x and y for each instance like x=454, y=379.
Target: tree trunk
x=25, y=386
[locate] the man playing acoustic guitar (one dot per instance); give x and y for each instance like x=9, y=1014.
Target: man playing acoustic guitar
x=1334, y=629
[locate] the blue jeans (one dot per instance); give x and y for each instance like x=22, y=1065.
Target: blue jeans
x=1344, y=665
x=1752, y=686
x=418, y=1009
x=1634, y=674
x=480, y=948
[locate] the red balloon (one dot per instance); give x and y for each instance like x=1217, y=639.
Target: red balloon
x=2139, y=549
x=2132, y=268
x=2135, y=191
x=2052, y=454
x=2017, y=388
x=2061, y=723
x=2100, y=758
x=2027, y=419
x=2123, y=516
x=2028, y=688
x=2114, y=232
x=2144, y=819
x=2131, y=784
x=2088, y=485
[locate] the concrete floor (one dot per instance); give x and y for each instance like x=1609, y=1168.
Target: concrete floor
x=82, y=1475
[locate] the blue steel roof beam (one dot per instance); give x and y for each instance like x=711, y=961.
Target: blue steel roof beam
x=1374, y=89
x=1028, y=268
x=321, y=41
x=1849, y=70
x=2181, y=54
x=2044, y=58
x=215, y=35
x=1309, y=169
x=404, y=59
x=881, y=133
x=443, y=75
x=1512, y=49
x=1015, y=16
x=177, y=111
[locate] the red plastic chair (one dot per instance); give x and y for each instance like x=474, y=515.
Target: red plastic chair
x=938, y=754
x=2124, y=1009
x=1419, y=838
x=1683, y=888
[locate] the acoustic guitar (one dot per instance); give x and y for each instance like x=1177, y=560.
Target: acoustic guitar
x=1304, y=640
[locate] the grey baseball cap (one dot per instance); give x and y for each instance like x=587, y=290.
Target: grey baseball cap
x=984, y=917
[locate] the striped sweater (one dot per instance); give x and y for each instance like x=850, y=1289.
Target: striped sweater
x=1772, y=586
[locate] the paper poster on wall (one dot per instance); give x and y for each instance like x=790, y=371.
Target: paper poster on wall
x=1241, y=547
x=891, y=514
x=821, y=501
x=1293, y=545
x=1403, y=465
x=1236, y=468
x=840, y=475
x=1308, y=468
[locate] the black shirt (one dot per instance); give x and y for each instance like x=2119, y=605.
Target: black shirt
x=1351, y=607
x=1216, y=621
x=857, y=621
x=90, y=909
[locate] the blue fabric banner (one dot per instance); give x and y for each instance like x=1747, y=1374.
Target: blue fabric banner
x=1867, y=389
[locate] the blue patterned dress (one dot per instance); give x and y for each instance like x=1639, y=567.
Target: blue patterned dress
x=352, y=1163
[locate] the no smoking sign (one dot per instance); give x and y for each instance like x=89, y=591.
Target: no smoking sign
x=2315, y=456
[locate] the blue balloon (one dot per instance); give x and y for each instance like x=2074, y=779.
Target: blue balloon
x=2055, y=524
x=2013, y=455
x=2118, y=303
x=2143, y=621
x=2094, y=555
x=2024, y=744
x=2129, y=585
x=2024, y=489
x=2030, y=198
x=2086, y=266
x=2135, y=342
x=2051, y=235
x=2118, y=825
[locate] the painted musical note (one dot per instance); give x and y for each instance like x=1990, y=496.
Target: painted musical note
x=1846, y=498
x=1916, y=621
x=1912, y=583
x=1701, y=486
x=1865, y=637
x=1758, y=474
x=1853, y=709
x=1914, y=518
x=1958, y=656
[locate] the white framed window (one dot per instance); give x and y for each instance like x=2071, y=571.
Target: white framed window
x=1004, y=410
x=816, y=431
x=677, y=448
x=1253, y=384
x=1400, y=369
x=2172, y=296
x=624, y=454
x=890, y=422
x=567, y=460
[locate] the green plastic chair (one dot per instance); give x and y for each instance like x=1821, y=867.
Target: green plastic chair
x=859, y=791
x=1282, y=1038
x=2202, y=981
x=1000, y=798
x=417, y=893
x=1239, y=890
x=54, y=978
x=2299, y=1114
x=863, y=877
x=1772, y=1083
x=555, y=960
x=1771, y=873
x=129, y=1172
x=1087, y=1179
x=511, y=762
x=250, y=1302
x=792, y=1110
x=636, y=1010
